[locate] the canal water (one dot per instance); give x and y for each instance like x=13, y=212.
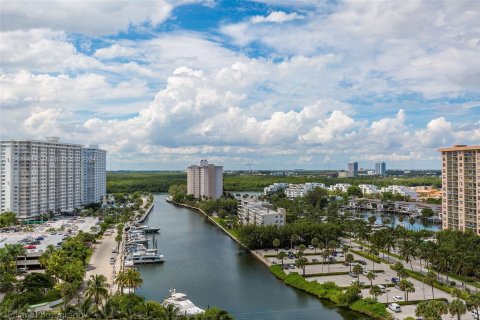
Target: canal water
x=394, y=221
x=213, y=270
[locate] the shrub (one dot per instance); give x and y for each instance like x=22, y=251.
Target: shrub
x=372, y=308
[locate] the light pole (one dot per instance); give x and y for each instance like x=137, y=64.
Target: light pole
x=386, y=287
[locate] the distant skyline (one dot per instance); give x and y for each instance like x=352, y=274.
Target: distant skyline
x=279, y=84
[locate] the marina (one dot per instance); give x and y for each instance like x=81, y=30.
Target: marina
x=213, y=270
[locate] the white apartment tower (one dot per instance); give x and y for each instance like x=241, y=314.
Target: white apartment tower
x=42, y=176
x=205, y=180
x=94, y=183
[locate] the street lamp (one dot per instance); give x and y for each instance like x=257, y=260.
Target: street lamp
x=386, y=287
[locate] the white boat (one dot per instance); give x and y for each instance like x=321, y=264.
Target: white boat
x=145, y=229
x=147, y=256
x=184, y=305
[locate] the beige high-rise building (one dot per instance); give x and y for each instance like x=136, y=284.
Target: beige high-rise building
x=205, y=180
x=461, y=188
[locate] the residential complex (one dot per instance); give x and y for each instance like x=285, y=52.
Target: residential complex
x=381, y=168
x=343, y=187
x=401, y=190
x=300, y=190
x=461, y=188
x=42, y=176
x=352, y=169
x=205, y=180
x=260, y=213
x=94, y=182
x=368, y=189
x=275, y=188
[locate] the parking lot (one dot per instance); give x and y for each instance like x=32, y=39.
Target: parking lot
x=422, y=291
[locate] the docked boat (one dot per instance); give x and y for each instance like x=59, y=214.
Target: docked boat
x=184, y=305
x=147, y=256
x=145, y=229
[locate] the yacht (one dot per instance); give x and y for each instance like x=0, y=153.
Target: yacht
x=147, y=256
x=145, y=229
x=184, y=305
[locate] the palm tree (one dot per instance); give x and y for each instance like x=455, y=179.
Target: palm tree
x=430, y=279
x=412, y=222
x=301, y=263
x=133, y=278
x=473, y=303
x=432, y=309
x=301, y=249
x=407, y=287
x=281, y=255
x=97, y=288
x=15, y=250
x=121, y=280
x=371, y=276
x=357, y=269
x=315, y=243
x=276, y=243
x=325, y=255
x=293, y=240
x=171, y=312
x=349, y=259
x=375, y=291
x=457, y=308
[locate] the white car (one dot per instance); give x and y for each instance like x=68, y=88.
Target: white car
x=476, y=314
x=394, y=307
x=311, y=247
x=398, y=298
x=339, y=254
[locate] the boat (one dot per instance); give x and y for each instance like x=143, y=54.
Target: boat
x=145, y=229
x=147, y=256
x=184, y=305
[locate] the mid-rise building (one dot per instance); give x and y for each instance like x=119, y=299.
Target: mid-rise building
x=461, y=188
x=343, y=187
x=94, y=169
x=352, y=169
x=368, y=188
x=277, y=186
x=300, y=190
x=401, y=190
x=251, y=212
x=205, y=180
x=381, y=168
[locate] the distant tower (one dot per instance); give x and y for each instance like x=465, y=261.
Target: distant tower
x=381, y=168
x=205, y=180
x=352, y=169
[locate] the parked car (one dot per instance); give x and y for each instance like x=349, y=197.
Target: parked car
x=476, y=314
x=395, y=280
x=339, y=254
x=395, y=307
x=22, y=269
x=315, y=260
x=352, y=274
x=382, y=287
x=30, y=246
x=40, y=238
x=285, y=266
x=362, y=262
x=398, y=298
x=311, y=247
x=291, y=266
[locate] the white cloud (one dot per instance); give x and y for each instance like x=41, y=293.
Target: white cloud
x=86, y=17
x=277, y=17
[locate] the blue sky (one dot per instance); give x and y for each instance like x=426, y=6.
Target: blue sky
x=280, y=84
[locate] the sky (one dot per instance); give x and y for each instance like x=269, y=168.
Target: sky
x=278, y=84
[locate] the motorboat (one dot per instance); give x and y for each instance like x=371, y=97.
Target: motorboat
x=147, y=256
x=184, y=305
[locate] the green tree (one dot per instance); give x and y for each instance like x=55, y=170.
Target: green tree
x=457, y=308
x=349, y=259
x=430, y=278
x=97, y=289
x=431, y=310
x=473, y=303
x=281, y=255
x=315, y=243
x=407, y=287
x=354, y=191
x=301, y=263
x=371, y=276
x=358, y=270
x=375, y=291
x=276, y=243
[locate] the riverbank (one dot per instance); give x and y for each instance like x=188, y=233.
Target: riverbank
x=361, y=306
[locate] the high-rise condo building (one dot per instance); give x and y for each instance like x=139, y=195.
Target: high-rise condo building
x=94, y=183
x=205, y=180
x=352, y=169
x=461, y=188
x=381, y=168
x=42, y=176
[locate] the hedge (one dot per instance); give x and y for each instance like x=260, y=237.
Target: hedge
x=372, y=308
x=368, y=256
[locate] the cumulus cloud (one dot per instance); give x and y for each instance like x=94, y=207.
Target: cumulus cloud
x=277, y=17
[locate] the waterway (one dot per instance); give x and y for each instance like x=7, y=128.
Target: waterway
x=213, y=270
x=395, y=220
